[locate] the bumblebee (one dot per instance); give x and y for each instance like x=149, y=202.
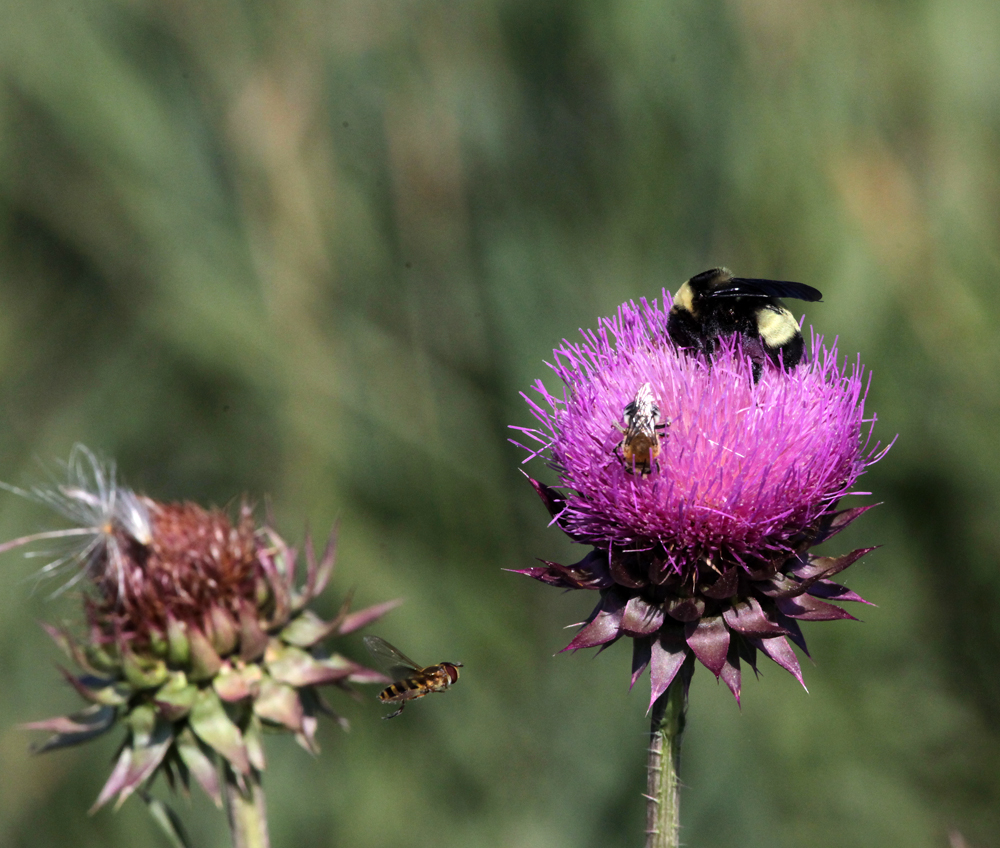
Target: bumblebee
x=714, y=304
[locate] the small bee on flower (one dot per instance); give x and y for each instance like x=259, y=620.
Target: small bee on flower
x=641, y=442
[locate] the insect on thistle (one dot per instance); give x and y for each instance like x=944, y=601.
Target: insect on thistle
x=715, y=304
x=641, y=442
x=412, y=680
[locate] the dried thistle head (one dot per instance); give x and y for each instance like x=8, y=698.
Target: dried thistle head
x=198, y=635
x=706, y=554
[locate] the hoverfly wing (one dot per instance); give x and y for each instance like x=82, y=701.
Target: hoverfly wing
x=750, y=287
x=391, y=660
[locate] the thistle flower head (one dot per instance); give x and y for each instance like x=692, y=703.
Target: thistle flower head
x=199, y=633
x=705, y=553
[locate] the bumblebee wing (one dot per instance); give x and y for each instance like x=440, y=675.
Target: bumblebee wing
x=749, y=287
x=391, y=660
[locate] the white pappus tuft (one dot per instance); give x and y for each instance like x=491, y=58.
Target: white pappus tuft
x=103, y=511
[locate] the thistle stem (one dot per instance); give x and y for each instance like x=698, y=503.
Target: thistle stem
x=662, y=784
x=246, y=810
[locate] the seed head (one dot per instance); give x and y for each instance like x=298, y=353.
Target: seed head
x=106, y=516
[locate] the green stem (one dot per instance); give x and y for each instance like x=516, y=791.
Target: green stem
x=246, y=810
x=662, y=784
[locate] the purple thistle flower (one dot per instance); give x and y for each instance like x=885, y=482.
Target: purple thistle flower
x=705, y=554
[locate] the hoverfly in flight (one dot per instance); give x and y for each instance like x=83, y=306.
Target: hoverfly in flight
x=412, y=681
x=641, y=442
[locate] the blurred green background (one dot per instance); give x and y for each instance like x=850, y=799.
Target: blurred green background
x=314, y=250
